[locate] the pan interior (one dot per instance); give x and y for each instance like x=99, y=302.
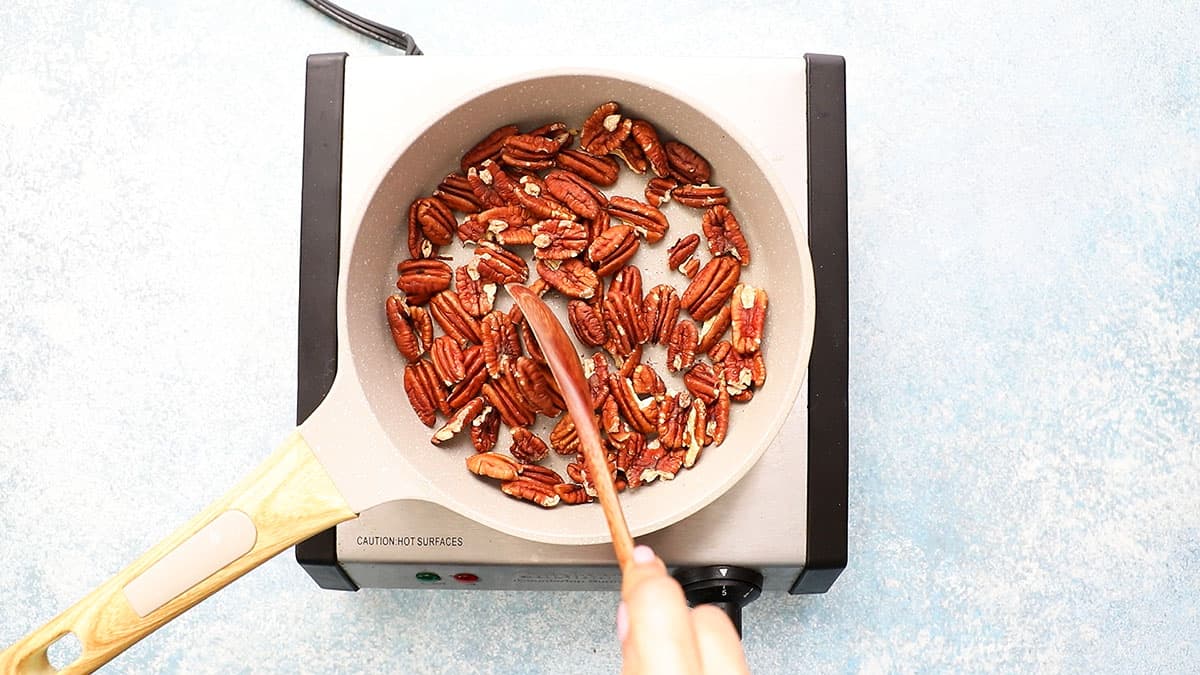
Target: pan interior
x=780, y=264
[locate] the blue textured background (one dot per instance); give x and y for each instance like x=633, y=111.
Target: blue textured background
x=1025, y=386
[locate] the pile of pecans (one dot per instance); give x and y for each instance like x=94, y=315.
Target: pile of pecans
x=532, y=191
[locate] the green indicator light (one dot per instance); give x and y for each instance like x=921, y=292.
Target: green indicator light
x=428, y=577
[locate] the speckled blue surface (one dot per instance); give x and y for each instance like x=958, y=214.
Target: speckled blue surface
x=1025, y=385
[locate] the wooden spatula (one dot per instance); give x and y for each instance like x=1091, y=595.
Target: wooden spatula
x=564, y=364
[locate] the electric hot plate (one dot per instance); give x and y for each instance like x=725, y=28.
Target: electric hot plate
x=782, y=527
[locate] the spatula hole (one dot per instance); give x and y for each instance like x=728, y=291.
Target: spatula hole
x=64, y=651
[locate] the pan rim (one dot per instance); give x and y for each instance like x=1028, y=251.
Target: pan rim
x=696, y=499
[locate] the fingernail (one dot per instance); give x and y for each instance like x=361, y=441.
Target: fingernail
x=643, y=554
x=622, y=622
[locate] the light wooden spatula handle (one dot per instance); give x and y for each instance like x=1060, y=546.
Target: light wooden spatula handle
x=288, y=498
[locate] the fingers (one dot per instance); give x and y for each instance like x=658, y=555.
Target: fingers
x=717, y=639
x=645, y=566
x=661, y=639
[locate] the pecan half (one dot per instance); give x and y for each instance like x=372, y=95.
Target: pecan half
x=472, y=229
x=624, y=324
x=425, y=392
x=533, y=184
x=494, y=465
x=578, y=194
x=646, y=137
x=604, y=130
x=527, y=448
x=686, y=164
x=704, y=382
x=558, y=239
x=496, y=263
x=499, y=339
x=578, y=472
x=485, y=430
x=477, y=297
x=690, y=267
x=747, y=314
x=724, y=234
x=682, y=251
x=517, y=236
x=743, y=374
x=480, y=180
x=538, y=387
x=672, y=419
x=531, y=490
x=700, y=196
x=628, y=280
x=646, y=219
x=418, y=245
x=544, y=207
x=436, y=220
x=718, y=419
x=488, y=148
x=598, y=225
x=596, y=370
x=631, y=362
x=422, y=279
x=542, y=474
x=610, y=418
x=660, y=311
x=493, y=176
x=622, y=445
x=472, y=384
x=572, y=278
x=505, y=395
x=461, y=419
x=408, y=331
x=535, y=150
x=448, y=311
x=712, y=330
x=658, y=191
x=509, y=225
x=641, y=412
x=564, y=438
x=557, y=132
x=455, y=191
x=587, y=322
x=642, y=462
x=646, y=382
x=719, y=351
x=422, y=322
x=447, y=358
x=711, y=288
x=613, y=248
x=681, y=352
x=572, y=493
x=695, y=434
x=631, y=153
x=602, y=171
x=665, y=468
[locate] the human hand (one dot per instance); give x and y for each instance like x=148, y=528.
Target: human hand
x=659, y=634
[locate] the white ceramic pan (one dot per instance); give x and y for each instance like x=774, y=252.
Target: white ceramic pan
x=364, y=446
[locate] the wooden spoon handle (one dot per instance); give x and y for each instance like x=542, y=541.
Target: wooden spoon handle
x=564, y=364
x=288, y=498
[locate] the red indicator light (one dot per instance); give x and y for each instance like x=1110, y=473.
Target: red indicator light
x=466, y=577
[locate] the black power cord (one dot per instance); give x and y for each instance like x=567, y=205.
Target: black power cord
x=377, y=31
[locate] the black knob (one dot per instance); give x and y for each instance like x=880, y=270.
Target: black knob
x=725, y=586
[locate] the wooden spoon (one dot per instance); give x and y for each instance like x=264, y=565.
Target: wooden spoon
x=564, y=365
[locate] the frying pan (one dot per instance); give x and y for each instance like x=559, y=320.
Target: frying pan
x=364, y=446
